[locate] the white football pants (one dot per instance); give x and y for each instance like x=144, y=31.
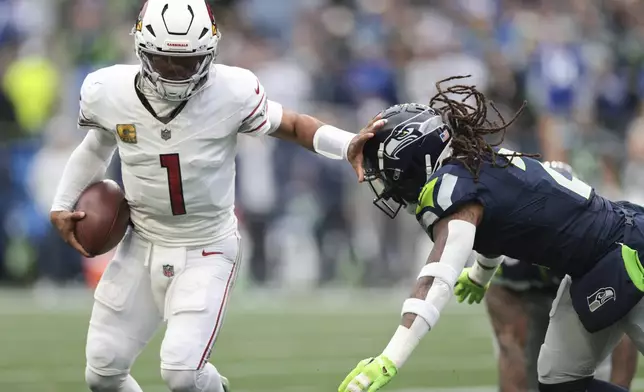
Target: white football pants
x=146, y=284
x=569, y=352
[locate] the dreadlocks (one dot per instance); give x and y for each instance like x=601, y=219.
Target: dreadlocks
x=470, y=125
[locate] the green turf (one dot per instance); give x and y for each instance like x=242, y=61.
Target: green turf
x=267, y=344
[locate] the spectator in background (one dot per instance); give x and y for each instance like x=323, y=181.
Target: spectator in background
x=556, y=77
x=8, y=124
x=633, y=173
x=57, y=262
x=32, y=82
x=8, y=116
x=10, y=131
x=346, y=60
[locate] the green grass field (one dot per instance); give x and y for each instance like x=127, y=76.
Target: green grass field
x=270, y=342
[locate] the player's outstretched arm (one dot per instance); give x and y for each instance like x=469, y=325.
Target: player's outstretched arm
x=86, y=165
x=453, y=243
x=261, y=116
x=327, y=140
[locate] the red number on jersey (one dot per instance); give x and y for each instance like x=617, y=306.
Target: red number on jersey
x=171, y=163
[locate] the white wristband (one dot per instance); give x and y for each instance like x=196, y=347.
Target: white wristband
x=484, y=269
x=332, y=142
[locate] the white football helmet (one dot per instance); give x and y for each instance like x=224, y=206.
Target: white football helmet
x=176, y=41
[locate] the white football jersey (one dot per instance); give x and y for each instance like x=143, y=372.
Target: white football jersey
x=179, y=170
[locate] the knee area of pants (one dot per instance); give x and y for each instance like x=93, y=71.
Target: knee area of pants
x=100, y=383
x=105, y=358
x=180, y=380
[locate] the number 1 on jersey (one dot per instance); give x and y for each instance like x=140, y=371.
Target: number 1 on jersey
x=172, y=164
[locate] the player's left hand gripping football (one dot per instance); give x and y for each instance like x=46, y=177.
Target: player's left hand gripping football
x=370, y=375
x=354, y=153
x=467, y=289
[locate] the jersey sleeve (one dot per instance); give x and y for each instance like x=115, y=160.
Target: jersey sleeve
x=442, y=195
x=261, y=116
x=90, y=98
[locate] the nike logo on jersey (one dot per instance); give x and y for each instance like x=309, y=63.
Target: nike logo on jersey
x=205, y=254
x=257, y=88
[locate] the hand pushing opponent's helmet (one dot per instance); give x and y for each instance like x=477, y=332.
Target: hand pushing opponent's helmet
x=399, y=159
x=176, y=41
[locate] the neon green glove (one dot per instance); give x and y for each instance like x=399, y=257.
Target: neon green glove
x=465, y=288
x=370, y=375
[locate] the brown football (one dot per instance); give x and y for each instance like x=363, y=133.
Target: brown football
x=107, y=216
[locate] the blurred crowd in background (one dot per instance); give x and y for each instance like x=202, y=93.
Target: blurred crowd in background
x=578, y=63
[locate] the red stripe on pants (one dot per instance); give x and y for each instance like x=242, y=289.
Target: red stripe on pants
x=204, y=358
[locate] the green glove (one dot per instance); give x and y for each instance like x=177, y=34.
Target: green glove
x=370, y=375
x=465, y=288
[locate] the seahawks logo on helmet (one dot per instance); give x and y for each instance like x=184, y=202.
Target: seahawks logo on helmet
x=401, y=138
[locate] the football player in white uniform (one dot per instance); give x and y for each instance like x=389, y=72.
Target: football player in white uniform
x=174, y=120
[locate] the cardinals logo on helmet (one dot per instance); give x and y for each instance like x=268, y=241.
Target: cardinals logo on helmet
x=139, y=21
x=212, y=19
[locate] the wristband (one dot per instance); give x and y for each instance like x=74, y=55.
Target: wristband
x=484, y=269
x=332, y=142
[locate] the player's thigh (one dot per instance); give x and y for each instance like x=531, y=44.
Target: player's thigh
x=124, y=316
x=196, y=305
x=569, y=352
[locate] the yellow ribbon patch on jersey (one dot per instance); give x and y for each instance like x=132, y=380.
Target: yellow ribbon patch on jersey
x=127, y=132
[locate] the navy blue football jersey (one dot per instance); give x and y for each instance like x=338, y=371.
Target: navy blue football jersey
x=531, y=213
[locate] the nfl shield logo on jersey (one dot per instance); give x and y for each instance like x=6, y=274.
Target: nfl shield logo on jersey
x=168, y=270
x=166, y=134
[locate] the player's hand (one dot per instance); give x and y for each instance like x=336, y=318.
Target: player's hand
x=466, y=288
x=370, y=375
x=65, y=222
x=354, y=153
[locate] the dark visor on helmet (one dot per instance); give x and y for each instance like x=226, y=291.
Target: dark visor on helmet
x=175, y=68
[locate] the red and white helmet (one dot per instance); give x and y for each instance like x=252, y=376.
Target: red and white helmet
x=176, y=41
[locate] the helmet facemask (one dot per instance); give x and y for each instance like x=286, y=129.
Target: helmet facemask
x=175, y=77
x=385, y=196
x=396, y=189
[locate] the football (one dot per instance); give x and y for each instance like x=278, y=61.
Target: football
x=107, y=216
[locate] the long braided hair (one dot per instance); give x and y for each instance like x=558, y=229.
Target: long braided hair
x=470, y=125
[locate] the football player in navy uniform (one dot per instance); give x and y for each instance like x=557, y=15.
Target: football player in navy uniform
x=518, y=301
x=437, y=161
